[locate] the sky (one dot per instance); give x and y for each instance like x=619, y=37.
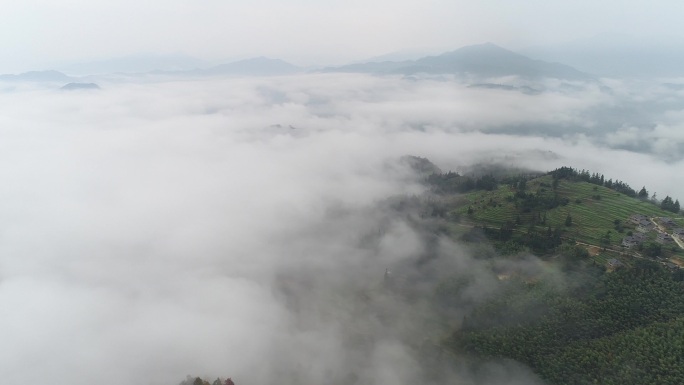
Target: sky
x=36, y=34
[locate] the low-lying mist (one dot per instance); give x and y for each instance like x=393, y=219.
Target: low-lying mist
x=243, y=227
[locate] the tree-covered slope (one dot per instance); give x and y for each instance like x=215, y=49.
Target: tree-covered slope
x=625, y=327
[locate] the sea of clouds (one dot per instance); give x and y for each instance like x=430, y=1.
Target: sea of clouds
x=215, y=227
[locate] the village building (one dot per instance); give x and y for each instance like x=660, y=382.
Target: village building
x=664, y=238
x=639, y=236
x=667, y=222
x=614, y=263
x=636, y=218
x=632, y=240
x=679, y=233
x=645, y=226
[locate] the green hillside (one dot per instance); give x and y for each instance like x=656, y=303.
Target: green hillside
x=598, y=215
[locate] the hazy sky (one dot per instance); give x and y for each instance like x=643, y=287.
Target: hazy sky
x=37, y=33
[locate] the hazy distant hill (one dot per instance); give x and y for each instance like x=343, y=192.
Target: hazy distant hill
x=492, y=86
x=260, y=66
x=484, y=60
x=80, y=86
x=37, y=76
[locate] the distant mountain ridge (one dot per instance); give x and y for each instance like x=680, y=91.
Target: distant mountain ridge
x=485, y=60
x=38, y=76
x=257, y=66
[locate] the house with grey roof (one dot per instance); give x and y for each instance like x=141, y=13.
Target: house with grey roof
x=631, y=241
x=664, y=238
x=639, y=236
x=614, y=263
x=667, y=222
x=636, y=218
x=679, y=233
x=645, y=226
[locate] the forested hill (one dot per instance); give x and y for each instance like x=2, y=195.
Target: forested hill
x=619, y=317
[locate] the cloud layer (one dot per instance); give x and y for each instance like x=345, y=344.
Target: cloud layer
x=220, y=226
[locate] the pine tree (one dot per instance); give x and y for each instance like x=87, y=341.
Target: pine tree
x=643, y=193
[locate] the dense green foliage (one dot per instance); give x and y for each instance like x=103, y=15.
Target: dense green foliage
x=625, y=327
x=452, y=182
x=669, y=205
x=572, y=174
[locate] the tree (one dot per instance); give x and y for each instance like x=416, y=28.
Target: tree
x=605, y=240
x=643, y=193
x=618, y=225
x=652, y=249
x=670, y=205
x=568, y=221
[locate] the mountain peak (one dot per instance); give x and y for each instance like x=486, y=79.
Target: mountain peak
x=486, y=60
